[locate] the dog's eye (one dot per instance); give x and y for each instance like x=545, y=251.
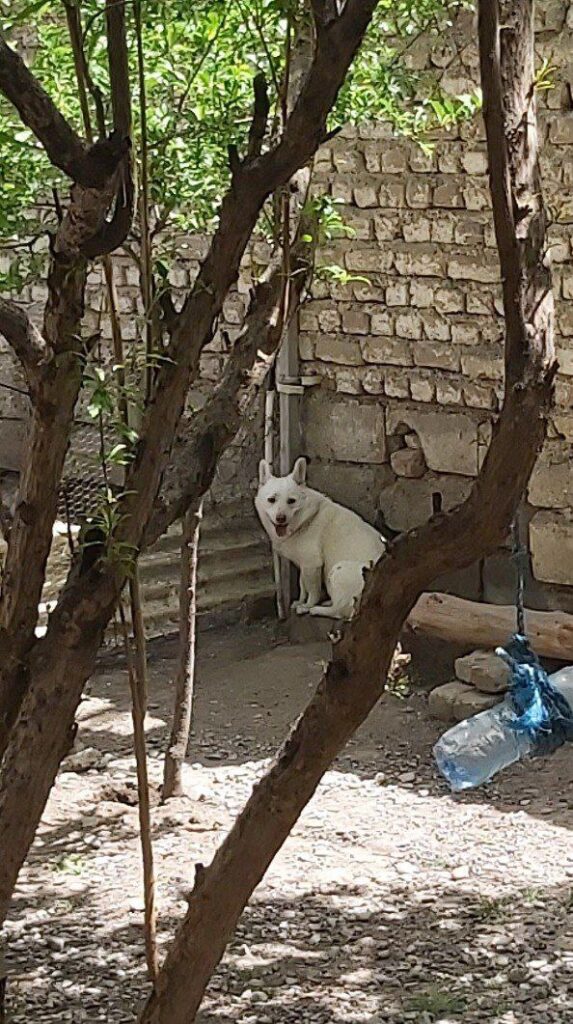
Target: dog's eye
x=272, y=501
x=291, y=501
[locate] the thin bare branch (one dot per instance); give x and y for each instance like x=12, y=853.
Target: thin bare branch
x=117, y=55
x=146, y=268
x=75, y=33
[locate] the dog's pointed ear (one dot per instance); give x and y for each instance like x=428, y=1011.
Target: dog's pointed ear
x=299, y=471
x=264, y=472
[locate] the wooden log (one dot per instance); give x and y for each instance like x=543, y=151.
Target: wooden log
x=489, y=625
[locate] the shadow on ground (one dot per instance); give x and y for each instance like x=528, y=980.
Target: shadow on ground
x=339, y=954
x=252, y=685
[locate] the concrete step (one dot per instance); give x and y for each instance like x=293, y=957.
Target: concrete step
x=308, y=629
x=217, y=605
x=235, y=569
x=231, y=551
x=222, y=522
x=214, y=571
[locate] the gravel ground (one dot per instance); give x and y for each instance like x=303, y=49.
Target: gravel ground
x=392, y=901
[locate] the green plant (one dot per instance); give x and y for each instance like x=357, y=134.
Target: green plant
x=493, y=908
x=545, y=76
x=69, y=864
x=200, y=60
x=437, y=1003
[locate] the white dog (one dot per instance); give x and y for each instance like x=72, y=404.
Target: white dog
x=328, y=543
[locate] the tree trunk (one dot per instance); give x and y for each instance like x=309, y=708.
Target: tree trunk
x=489, y=625
x=355, y=679
x=55, y=379
x=181, y=727
x=44, y=731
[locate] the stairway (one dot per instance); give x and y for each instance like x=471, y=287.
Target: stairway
x=234, y=574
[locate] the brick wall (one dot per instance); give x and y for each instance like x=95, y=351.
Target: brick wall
x=411, y=363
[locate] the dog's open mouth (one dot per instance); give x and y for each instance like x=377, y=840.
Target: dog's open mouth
x=281, y=529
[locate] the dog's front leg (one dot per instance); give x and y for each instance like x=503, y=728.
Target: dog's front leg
x=311, y=586
x=302, y=594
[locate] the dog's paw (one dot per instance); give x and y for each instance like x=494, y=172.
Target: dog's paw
x=302, y=609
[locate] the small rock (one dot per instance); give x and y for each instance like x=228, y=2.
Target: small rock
x=412, y=440
x=85, y=759
x=484, y=670
x=473, y=703
x=408, y=462
x=462, y=871
x=442, y=700
x=56, y=942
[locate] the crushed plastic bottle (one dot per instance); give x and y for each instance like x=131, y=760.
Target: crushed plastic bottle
x=475, y=750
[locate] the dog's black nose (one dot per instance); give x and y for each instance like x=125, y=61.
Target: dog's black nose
x=281, y=518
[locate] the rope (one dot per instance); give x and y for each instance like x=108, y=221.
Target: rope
x=519, y=555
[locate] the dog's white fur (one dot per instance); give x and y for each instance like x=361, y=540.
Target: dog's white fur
x=328, y=543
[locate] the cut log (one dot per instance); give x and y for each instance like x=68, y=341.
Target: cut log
x=488, y=625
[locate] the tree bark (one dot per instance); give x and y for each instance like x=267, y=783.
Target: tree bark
x=355, y=679
x=185, y=684
x=23, y=337
x=489, y=625
x=58, y=669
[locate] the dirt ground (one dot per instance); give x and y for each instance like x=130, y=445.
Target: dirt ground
x=392, y=901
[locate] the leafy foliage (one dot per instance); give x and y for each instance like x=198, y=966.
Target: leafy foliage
x=200, y=62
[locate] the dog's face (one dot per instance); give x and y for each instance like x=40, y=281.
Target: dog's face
x=281, y=500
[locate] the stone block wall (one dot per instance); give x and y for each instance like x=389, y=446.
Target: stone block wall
x=410, y=362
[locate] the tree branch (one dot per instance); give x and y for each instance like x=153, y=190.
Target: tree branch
x=65, y=149
x=118, y=60
x=519, y=214
x=24, y=338
x=204, y=437
x=260, y=117
x=83, y=232
x=63, y=146
x=112, y=233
